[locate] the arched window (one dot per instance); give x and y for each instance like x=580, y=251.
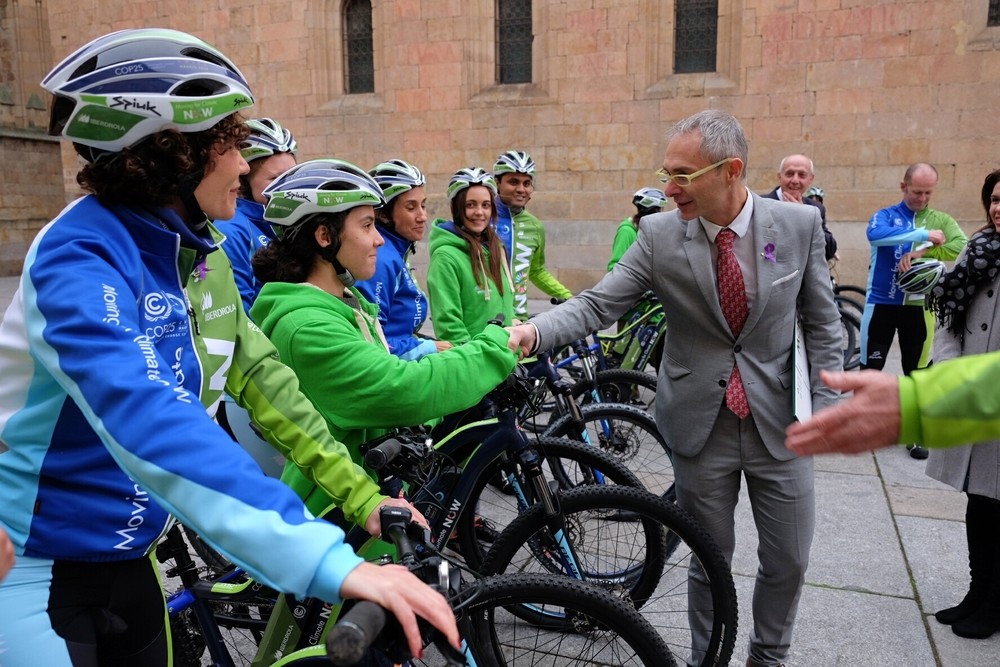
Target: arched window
x=514, y=41
x=359, y=63
x=696, y=35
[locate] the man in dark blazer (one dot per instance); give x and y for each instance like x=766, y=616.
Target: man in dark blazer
x=780, y=251
x=795, y=175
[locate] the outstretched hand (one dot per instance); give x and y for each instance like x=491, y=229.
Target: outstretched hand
x=522, y=339
x=398, y=590
x=867, y=420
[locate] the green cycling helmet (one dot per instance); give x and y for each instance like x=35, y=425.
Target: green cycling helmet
x=514, y=162
x=315, y=187
x=467, y=177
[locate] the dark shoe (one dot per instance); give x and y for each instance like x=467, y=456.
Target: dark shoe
x=961, y=611
x=982, y=624
x=753, y=663
x=917, y=452
x=486, y=530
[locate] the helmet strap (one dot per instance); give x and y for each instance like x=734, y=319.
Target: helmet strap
x=329, y=254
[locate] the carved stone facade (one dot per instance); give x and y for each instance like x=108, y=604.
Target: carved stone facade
x=863, y=87
x=30, y=169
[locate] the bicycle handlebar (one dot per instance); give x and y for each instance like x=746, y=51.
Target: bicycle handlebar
x=366, y=623
x=348, y=640
x=382, y=454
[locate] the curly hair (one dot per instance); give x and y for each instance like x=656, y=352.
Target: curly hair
x=160, y=168
x=290, y=258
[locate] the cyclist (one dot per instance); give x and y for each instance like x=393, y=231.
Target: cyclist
x=329, y=334
x=468, y=280
x=402, y=306
x=124, y=332
x=514, y=173
x=646, y=201
x=269, y=150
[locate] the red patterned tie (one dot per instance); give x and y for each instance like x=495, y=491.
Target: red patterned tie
x=733, y=298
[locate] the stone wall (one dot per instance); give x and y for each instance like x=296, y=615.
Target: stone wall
x=863, y=87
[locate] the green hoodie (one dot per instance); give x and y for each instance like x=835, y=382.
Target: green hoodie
x=344, y=367
x=460, y=308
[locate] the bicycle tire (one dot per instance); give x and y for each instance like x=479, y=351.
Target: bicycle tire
x=602, y=629
x=213, y=560
x=851, y=331
x=499, y=509
x=606, y=548
x=851, y=291
x=618, y=385
x=628, y=433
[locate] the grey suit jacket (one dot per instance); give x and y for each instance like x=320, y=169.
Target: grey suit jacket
x=672, y=257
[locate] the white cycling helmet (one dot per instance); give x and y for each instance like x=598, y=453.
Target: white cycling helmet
x=816, y=192
x=921, y=277
x=649, y=198
x=267, y=137
x=314, y=187
x=514, y=162
x=396, y=177
x=123, y=87
x=467, y=177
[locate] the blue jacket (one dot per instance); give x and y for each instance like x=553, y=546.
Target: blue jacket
x=114, y=354
x=245, y=233
x=505, y=230
x=402, y=306
x=892, y=233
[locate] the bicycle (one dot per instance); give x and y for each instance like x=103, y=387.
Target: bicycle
x=583, y=624
x=647, y=566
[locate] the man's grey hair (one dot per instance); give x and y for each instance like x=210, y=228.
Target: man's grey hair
x=781, y=165
x=721, y=135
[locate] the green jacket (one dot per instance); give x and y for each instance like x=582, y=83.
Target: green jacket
x=269, y=391
x=955, y=241
x=460, y=308
x=624, y=238
x=344, y=367
x=529, y=263
x=951, y=403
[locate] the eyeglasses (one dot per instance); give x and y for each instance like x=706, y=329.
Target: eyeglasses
x=684, y=180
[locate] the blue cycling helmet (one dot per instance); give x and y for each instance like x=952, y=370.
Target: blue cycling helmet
x=125, y=86
x=267, y=137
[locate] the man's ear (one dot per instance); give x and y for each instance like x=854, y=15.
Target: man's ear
x=734, y=169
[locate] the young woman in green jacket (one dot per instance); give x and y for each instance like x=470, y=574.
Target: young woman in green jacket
x=468, y=281
x=328, y=333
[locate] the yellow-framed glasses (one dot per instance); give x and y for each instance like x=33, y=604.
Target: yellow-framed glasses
x=684, y=180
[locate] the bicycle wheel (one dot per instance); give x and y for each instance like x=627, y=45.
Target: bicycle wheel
x=490, y=509
x=623, y=556
x=598, y=629
x=851, y=291
x=618, y=385
x=626, y=432
x=850, y=328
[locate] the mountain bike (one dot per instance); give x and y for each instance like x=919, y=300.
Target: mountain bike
x=584, y=624
x=636, y=545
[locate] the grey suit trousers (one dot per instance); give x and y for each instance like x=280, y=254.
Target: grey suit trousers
x=783, y=501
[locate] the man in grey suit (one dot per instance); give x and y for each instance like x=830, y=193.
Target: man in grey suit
x=709, y=375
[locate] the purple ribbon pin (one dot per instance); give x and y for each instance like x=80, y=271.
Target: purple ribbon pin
x=768, y=253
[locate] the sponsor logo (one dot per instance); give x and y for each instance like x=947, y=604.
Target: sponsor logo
x=300, y=196
x=129, y=104
x=197, y=114
x=153, y=371
x=318, y=630
x=130, y=69
x=206, y=301
x=140, y=505
x=87, y=119
x=220, y=312
x=242, y=102
x=159, y=305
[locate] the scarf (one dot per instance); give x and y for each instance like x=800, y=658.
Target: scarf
x=979, y=266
